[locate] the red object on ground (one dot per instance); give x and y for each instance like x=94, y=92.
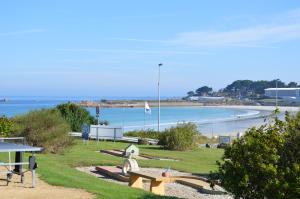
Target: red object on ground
x=166, y=174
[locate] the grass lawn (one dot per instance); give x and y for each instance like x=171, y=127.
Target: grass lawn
x=59, y=169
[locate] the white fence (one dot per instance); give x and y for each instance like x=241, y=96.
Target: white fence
x=100, y=132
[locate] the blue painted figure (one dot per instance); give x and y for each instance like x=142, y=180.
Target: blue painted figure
x=85, y=131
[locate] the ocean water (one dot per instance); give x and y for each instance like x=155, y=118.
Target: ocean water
x=211, y=121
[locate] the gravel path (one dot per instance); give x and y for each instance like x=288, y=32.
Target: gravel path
x=172, y=189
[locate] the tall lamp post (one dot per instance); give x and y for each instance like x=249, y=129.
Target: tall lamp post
x=276, y=93
x=158, y=92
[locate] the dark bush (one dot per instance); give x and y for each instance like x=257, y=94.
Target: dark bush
x=75, y=115
x=182, y=137
x=93, y=120
x=143, y=141
x=44, y=128
x=6, y=126
x=222, y=145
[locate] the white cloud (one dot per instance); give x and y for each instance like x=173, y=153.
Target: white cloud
x=259, y=36
x=22, y=32
x=271, y=30
x=168, y=52
x=139, y=40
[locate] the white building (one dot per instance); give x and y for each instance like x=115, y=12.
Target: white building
x=205, y=98
x=284, y=93
x=193, y=98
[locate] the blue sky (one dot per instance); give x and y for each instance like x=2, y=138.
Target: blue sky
x=112, y=48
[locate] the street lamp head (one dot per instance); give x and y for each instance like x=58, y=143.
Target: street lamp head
x=160, y=64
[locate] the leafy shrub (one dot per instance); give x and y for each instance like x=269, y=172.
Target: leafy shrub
x=143, y=141
x=222, y=145
x=44, y=128
x=93, y=120
x=182, y=137
x=6, y=126
x=289, y=162
x=75, y=115
x=265, y=162
x=202, y=139
x=150, y=133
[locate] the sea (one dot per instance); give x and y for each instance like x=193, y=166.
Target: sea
x=211, y=121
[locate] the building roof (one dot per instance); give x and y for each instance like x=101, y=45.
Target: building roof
x=282, y=89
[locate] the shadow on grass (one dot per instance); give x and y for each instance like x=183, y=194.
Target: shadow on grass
x=152, y=148
x=203, y=175
x=151, y=196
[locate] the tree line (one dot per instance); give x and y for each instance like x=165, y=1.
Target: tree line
x=243, y=88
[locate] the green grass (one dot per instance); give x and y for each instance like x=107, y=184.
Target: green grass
x=60, y=169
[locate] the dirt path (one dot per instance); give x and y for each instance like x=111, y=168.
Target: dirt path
x=17, y=190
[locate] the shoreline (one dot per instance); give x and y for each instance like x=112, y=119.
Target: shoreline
x=259, y=108
x=181, y=103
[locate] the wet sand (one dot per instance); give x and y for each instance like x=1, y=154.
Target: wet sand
x=261, y=108
x=233, y=127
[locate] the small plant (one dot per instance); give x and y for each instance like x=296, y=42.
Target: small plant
x=143, y=134
x=105, y=122
x=143, y=141
x=222, y=145
x=182, y=137
x=6, y=126
x=94, y=121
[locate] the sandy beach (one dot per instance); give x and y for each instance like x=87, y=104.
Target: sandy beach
x=240, y=125
x=260, y=108
x=180, y=103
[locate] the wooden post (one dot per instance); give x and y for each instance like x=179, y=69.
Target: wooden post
x=157, y=187
x=136, y=181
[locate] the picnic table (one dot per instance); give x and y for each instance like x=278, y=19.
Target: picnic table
x=19, y=150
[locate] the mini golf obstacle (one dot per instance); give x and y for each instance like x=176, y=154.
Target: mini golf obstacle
x=114, y=172
x=19, y=150
x=157, y=182
x=134, y=152
x=120, y=172
x=131, y=173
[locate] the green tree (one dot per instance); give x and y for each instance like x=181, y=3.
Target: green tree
x=265, y=162
x=239, y=85
x=190, y=93
x=75, y=115
x=6, y=126
x=248, y=88
x=204, y=90
x=277, y=82
x=289, y=163
x=293, y=85
x=259, y=86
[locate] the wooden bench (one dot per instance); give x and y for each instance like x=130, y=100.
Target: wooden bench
x=157, y=185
